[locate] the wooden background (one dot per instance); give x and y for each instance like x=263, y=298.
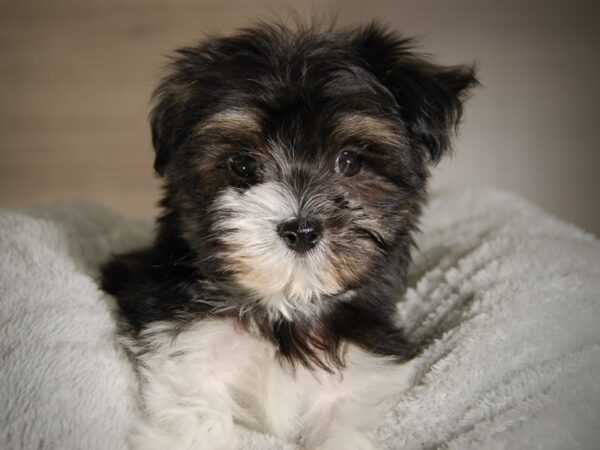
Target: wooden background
x=76, y=76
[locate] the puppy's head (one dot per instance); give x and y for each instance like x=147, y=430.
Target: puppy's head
x=295, y=161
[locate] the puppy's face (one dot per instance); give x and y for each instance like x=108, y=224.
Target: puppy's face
x=304, y=205
x=296, y=162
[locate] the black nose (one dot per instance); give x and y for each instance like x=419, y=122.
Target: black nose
x=300, y=235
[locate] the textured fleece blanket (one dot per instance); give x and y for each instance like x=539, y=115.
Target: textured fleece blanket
x=507, y=298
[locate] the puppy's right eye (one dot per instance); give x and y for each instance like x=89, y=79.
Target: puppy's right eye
x=348, y=163
x=243, y=165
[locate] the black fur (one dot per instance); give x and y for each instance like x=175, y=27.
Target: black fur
x=297, y=82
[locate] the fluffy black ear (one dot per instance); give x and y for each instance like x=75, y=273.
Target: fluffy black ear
x=163, y=121
x=178, y=102
x=430, y=97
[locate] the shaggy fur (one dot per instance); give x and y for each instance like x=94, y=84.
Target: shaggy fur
x=230, y=320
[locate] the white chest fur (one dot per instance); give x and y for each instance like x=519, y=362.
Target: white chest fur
x=198, y=386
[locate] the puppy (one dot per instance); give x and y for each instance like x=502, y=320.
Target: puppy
x=295, y=164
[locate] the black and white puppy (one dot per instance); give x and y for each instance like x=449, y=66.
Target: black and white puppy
x=295, y=165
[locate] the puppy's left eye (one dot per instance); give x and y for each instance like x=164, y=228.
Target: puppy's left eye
x=243, y=165
x=348, y=163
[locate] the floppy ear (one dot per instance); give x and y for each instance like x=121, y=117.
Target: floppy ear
x=430, y=97
x=178, y=103
x=163, y=122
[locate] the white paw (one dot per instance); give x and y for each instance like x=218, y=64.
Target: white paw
x=211, y=432
x=347, y=440
x=216, y=433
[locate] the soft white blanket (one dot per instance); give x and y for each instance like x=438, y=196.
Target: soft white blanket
x=508, y=296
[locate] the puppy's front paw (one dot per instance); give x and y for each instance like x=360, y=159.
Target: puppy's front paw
x=216, y=433
x=347, y=439
x=210, y=432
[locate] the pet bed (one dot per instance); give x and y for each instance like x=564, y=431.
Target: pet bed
x=506, y=297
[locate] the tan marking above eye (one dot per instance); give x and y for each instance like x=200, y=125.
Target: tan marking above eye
x=368, y=128
x=231, y=120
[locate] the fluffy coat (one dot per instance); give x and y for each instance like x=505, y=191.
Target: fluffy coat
x=295, y=163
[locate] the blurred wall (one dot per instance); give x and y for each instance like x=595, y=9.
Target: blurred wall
x=76, y=79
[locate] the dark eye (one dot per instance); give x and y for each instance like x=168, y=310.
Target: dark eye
x=243, y=165
x=348, y=163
